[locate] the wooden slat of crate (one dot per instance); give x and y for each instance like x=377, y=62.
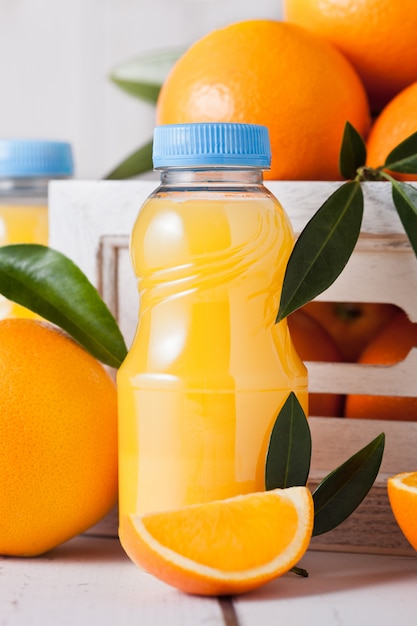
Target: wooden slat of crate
x=372, y=527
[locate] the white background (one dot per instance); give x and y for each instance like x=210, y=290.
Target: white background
x=56, y=57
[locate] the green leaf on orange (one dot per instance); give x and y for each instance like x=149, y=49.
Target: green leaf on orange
x=403, y=158
x=289, y=451
x=143, y=76
x=404, y=197
x=51, y=285
x=341, y=491
x=323, y=248
x=352, y=152
x=136, y=163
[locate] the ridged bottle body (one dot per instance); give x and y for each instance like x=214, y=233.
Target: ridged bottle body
x=208, y=370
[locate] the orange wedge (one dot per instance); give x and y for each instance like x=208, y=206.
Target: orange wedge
x=223, y=547
x=402, y=494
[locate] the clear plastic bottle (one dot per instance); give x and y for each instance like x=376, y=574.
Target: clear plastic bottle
x=208, y=370
x=26, y=167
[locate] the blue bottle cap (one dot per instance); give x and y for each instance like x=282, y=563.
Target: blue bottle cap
x=21, y=158
x=211, y=143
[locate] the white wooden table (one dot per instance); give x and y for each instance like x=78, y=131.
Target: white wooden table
x=90, y=582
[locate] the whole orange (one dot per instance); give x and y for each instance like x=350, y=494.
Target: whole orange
x=391, y=345
x=352, y=325
x=396, y=122
x=313, y=343
x=278, y=75
x=377, y=36
x=58, y=438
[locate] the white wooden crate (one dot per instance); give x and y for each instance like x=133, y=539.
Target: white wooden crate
x=90, y=221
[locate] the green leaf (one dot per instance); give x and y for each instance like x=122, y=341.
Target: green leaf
x=323, y=248
x=135, y=164
x=403, y=158
x=50, y=284
x=289, y=452
x=341, y=491
x=352, y=152
x=144, y=75
x=405, y=201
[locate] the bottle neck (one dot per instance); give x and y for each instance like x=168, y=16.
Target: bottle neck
x=219, y=175
x=24, y=187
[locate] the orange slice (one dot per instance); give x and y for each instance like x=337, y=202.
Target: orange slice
x=402, y=494
x=223, y=547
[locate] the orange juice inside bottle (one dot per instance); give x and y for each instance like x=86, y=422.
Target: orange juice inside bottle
x=208, y=370
x=26, y=167
x=27, y=223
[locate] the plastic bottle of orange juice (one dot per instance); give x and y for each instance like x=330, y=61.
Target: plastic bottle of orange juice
x=26, y=167
x=208, y=369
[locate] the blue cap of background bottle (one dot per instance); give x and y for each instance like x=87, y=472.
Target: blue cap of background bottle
x=21, y=158
x=211, y=143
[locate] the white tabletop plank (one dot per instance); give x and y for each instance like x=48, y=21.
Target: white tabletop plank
x=90, y=581
x=342, y=590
